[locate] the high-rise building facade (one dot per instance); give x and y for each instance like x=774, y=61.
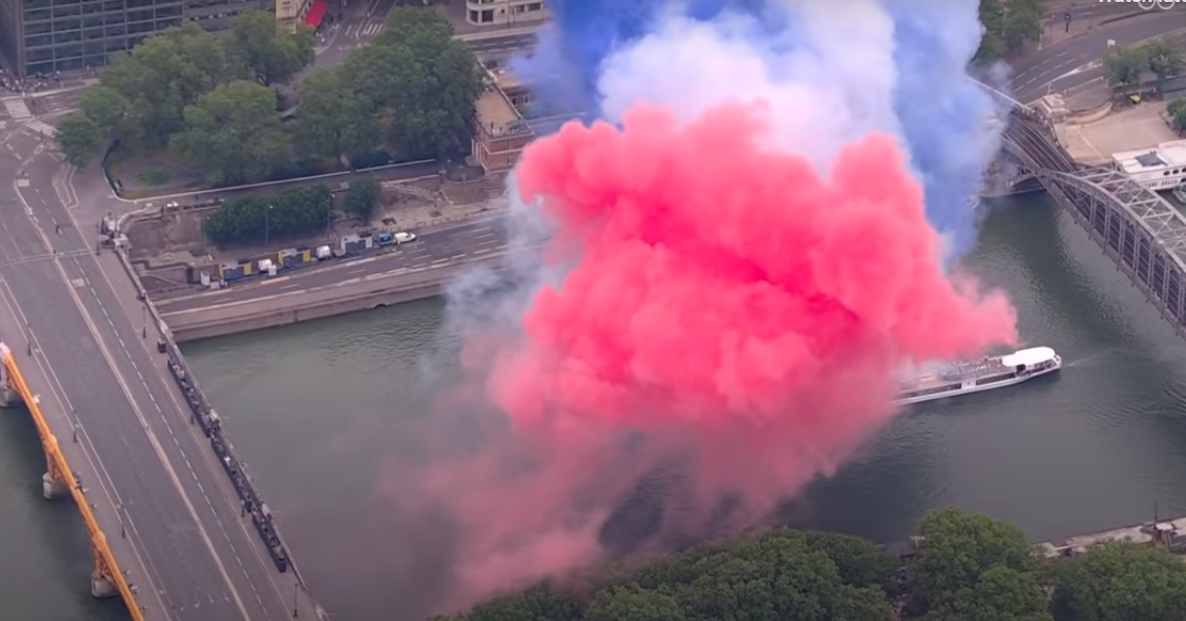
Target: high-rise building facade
x=46, y=36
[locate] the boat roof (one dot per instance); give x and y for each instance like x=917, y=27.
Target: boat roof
x=1031, y=356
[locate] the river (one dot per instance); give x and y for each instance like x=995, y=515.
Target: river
x=312, y=408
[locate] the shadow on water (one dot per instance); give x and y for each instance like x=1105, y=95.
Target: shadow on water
x=53, y=579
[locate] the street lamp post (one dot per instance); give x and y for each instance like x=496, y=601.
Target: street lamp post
x=294, y=600
x=267, y=233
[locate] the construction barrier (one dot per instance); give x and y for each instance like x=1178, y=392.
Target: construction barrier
x=105, y=564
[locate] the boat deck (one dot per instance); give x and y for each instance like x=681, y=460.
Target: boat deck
x=956, y=373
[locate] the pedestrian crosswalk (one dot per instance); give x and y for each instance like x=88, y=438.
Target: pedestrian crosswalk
x=19, y=114
x=45, y=129
x=17, y=110
x=366, y=29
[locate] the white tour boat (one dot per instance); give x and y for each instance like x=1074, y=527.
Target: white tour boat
x=965, y=377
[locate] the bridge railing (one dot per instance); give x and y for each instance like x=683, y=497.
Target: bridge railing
x=105, y=563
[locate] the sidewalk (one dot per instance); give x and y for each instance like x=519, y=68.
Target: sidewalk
x=65, y=89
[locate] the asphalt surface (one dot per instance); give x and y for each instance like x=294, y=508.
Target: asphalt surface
x=479, y=238
x=1070, y=63
x=509, y=43
x=200, y=558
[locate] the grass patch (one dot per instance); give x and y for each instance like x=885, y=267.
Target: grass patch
x=153, y=176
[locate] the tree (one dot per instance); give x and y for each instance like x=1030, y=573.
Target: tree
x=1121, y=581
x=957, y=549
x=1008, y=26
x=541, y=602
x=859, y=562
x=79, y=138
x=1164, y=59
x=1000, y=594
x=233, y=133
x=362, y=197
x=268, y=53
x=1124, y=66
x=159, y=78
x=263, y=218
x=334, y=120
x=630, y=603
x=420, y=80
x=108, y=109
x=1177, y=112
x=775, y=577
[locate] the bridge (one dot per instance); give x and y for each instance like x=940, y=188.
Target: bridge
x=178, y=529
x=1143, y=234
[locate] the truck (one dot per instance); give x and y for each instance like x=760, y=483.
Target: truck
x=323, y=252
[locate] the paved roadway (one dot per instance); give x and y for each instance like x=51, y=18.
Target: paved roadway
x=198, y=559
x=481, y=237
x=1070, y=63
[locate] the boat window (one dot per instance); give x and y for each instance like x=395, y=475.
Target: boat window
x=995, y=378
x=931, y=391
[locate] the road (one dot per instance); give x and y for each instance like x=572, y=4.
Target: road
x=1069, y=63
x=197, y=559
x=481, y=237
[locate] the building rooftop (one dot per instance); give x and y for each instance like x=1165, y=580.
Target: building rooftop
x=495, y=112
x=1164, y=156
x=504, y=78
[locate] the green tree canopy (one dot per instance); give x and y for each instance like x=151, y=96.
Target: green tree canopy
x=362, y=198
x=157, y=79
x=420, y=81
x=542, y=602
x=335, y=121
x=233, y=133
x=1124, y=66
x=957, y=549
x=268, y=53
x=111, y=112
x=252, y=219
x=1000, y=594
x=1177, y=111
x=1164, y=59
x=630, y=603
x=1008, y=26
x=1120, y=581
x=79, y=139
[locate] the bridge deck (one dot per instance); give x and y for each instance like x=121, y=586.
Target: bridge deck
x=188, y=550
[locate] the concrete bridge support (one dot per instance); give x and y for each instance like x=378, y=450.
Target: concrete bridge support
x=53, y=488
x=9, y=396
x=101, y=586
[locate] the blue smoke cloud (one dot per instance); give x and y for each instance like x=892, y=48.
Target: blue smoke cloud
x=891, y=65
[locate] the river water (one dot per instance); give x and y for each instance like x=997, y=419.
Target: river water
x=312, y=407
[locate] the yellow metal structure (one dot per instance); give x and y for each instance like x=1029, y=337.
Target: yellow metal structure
x=59, y=470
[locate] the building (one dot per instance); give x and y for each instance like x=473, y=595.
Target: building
x=505, y=13
x=40, y=37
x=500, y=131
x=1160, y=168
x=291, y=13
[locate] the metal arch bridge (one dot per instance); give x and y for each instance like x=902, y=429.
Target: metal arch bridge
x=1142, y=233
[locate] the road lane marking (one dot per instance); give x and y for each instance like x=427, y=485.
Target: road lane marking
x=214, y=468
x=92, y=456
x=157, y=447
x=140, y=415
